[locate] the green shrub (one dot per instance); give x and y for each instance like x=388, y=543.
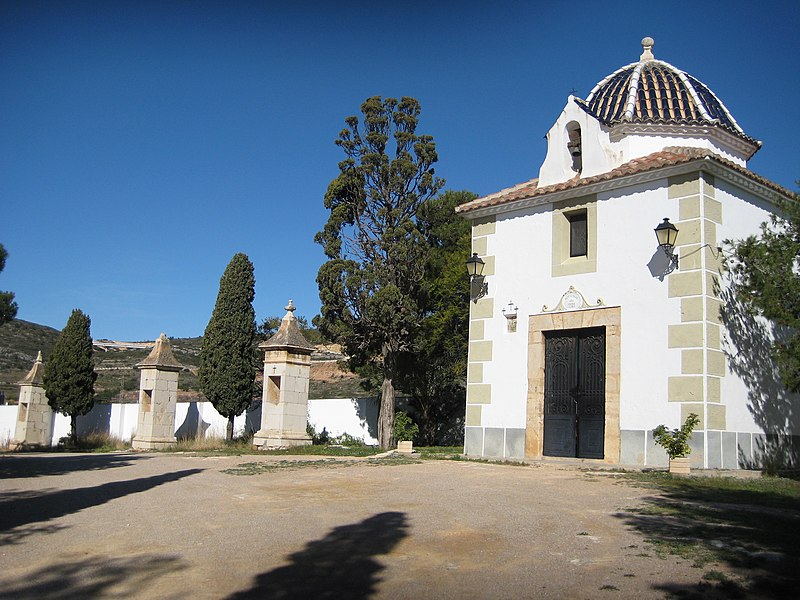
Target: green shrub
x=346, y=440
x=317, y=439
x=676, y=442
x=404, y=428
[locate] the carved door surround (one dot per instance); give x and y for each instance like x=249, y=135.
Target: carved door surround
x=583, y=317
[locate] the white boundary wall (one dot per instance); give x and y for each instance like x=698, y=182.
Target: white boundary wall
x=357, y=417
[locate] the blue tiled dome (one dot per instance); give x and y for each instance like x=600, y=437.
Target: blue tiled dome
x=654, y=92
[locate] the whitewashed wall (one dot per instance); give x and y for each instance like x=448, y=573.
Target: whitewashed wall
x=600, y=154
x=762, y=403
x=356, y=417
x=522, y=246
x=629, y=265
x=8, y=418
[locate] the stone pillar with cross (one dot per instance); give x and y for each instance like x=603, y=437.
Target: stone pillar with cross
x=158, y=396
x=284, y=405
x=34, y=416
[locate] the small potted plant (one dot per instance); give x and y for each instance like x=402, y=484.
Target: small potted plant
x=676, y=443
x=404, y=431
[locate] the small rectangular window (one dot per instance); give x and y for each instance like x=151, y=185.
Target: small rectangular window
x=147, y=400
x=274, y=389
x=577, y=233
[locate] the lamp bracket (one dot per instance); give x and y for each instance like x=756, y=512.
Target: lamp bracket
x=478, y=287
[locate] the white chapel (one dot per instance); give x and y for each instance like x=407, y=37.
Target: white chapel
x=585, y=333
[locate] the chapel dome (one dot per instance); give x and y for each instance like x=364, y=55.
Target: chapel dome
x=653, y=92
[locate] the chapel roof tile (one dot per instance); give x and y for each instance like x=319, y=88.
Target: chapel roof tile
x=670, y=156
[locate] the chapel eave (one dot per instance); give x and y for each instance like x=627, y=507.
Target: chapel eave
x=659, y=165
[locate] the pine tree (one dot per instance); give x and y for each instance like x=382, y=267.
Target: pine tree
x=69, y=374
x=370, y=286
x=226, y=373
x=434, y=372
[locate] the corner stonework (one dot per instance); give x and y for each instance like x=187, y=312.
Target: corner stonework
x=697, y=335
x=481, y=349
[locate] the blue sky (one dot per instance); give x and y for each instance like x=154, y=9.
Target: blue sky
x=143, y=144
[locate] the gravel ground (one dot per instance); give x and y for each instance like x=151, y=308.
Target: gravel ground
x=179, y=526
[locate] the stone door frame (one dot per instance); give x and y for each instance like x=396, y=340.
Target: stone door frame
x=608, y=317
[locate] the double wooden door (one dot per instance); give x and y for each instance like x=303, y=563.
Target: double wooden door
x=574, y=393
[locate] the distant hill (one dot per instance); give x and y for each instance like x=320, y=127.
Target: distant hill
x=118, y=380
x=20, y=341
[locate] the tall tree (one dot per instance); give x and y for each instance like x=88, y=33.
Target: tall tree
x=69, y=373
x=370, y=286
x=435, y=372
x=8, y=308
x=226, y=373
x=766, y=278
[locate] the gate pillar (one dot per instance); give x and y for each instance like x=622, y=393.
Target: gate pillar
x=284, y=401
x=158, y=395
x=34, y=425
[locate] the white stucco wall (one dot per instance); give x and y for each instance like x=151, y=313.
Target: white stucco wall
x=629, y=268
x=8, y=421
x=354, y=416
x=357, y=417
x=522, y=246
x=635, y=146
x=604, y=149
x=743, y=213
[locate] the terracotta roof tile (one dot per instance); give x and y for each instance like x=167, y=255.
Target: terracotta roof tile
x=665, y=158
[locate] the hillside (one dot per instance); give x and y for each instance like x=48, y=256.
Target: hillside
x=118, y=380
x=20, y=341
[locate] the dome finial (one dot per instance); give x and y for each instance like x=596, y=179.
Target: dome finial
x=647, y=47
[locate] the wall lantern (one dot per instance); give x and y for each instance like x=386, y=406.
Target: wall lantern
x=478, y=287
x=667, y=233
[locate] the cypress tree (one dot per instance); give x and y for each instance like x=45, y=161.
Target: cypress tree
x=226, y=373
x=69, y=374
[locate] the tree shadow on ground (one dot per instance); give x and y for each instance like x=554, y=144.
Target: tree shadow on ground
x=340, y=565
x=35, y=465
x=103, y=576
x=18, y=509
x=754, y=533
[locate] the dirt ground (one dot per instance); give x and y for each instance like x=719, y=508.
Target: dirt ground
x=179, y=526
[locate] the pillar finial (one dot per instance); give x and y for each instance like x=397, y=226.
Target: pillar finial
x=647, y=49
